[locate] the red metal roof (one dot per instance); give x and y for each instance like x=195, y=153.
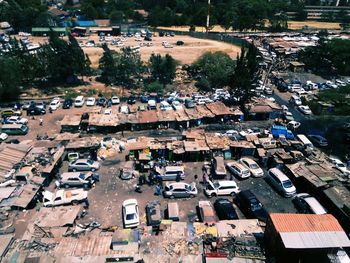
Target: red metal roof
x=305, y=223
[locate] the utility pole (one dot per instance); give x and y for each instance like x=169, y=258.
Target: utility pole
x=208, y=18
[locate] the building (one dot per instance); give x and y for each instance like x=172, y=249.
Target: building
x=304, y=237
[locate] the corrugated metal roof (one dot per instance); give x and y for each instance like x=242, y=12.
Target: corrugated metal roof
x=315, y=239
x=305, y=223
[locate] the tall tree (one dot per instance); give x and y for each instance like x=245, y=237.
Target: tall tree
x=163, y=69
x=107, y=66
x=10, y=78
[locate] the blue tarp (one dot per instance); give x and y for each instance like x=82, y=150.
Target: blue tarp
x=87, y=23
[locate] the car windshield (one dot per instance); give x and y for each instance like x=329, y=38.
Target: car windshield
x=255, y=205
x=287, y=184
x=130, y=216
x=340, y=165
x=90, y=161
x=82, y=176
x=254, y=166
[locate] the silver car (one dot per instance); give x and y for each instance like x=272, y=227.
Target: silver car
x=180, y=190
x=77, y=179
x=83, y=165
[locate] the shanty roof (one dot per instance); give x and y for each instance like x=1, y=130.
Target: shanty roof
x=5, y=192
x=218, y=108
x=5, y=242
x=168, y=115
x=11, y=155
x=103, y=120
x=47, y=217
x=215, y=142
x=26, y=196
x=263, y=106
x=195, y=146
x=204, y=111
x=149, y=116
x=309, y=231
x=71, y=120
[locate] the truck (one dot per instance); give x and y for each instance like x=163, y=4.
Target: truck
x=64, y=197
x=279, y=130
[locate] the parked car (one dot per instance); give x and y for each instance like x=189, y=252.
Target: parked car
x=128, y=171
x=14, y=129
x=41, y=105
x=107, y=112
x=77, y=179
x=67, y=104
x=224, y=209
x=180, y=43
x=281, y=182
x=206, y=212
x=251, y=206
x=64, y=197
x=339, y=165
x=318, y=140
x=131, y=100
x=33, y=110
x=252, y=166
x=305, y=109
x=170, y=173
x=189, y=103
x=295, y=100
x=79, y=101
x=238, y=169
x=308, y=204
x=83, y=165
x=115, y=100
x=15, y=120
x=3, y=136
x=221, y=187
x=101, y=102
x=288, y=116
x=218, y=166
x=293, y=125
x=10, y=112
x=176, y=105
x=180, y=190
x=268, y=91
x=130, y=211
x=124, y=109
x=90, y=101
x=55, y=104
x=144, y=98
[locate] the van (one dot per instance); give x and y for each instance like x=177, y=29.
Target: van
x=222, y=187
x=165, y=106
x=218, y=166
x=79, y=101
x=172, y=211
x=14, y=129
x=238, y=169
x=170, y=173
x=295, y=100
x=281, y=182
x=305, y=141
x=152, y=105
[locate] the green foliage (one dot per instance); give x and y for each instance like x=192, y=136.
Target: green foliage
x=246, y=73
x=163, y=69
x=155, y=86
x=279, y=22
x=10, y=78
x=328, y=58
x=216, y=68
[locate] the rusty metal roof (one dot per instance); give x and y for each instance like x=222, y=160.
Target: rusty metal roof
x=149, y=116
x=304, y=222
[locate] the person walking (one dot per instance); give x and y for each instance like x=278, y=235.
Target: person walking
x=41, y=121
x=204, y=179
x=158, y=190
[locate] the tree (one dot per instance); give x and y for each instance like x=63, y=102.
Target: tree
x=246, y=73
x=162, y=68
x=10, y=78
x=80, y=63
x=107, y=66
x=279, y=22
x=215, y=67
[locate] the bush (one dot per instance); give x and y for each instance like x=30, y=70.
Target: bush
x=154, y=87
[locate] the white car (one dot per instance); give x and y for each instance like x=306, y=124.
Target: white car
x=16, y=120
x=131, y=216
x=252, y=166
x=176, y=105
x=238, y=169
x=3, y=136
x=340, y=166
x=305, y=109
x=90, y=101
x=331, y=84
x=340, y=83
x=293, y=125
x=308, y=204
x=124, y=109
x=107, y=112
x=284, y=108
x=115, y=100
x=55, y=104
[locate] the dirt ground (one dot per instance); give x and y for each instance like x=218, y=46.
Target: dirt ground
x=186, y=54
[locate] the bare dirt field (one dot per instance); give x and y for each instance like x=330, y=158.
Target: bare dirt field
x=186, y=54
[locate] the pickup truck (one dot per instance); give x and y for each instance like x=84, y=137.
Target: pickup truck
x=63, y=197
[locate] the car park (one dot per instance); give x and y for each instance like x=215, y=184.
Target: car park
x=238, y=169
x=281, y=182
x=83, y=165
x=77, y=179
x=180, y=190
x=308, y=204
x=251, y=206
x=10, y=112
x=288, y=116
x=67, y=104
x=318, y=140
x=224, y=209
x=305, y=109
x=90, y=101
x=130, y=211
x=115, y=100
x=15, y=120
x=221, y=187
x=55, y=104
x=206, y=212
x=252, y=166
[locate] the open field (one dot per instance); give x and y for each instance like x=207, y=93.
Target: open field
x=186, y=54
